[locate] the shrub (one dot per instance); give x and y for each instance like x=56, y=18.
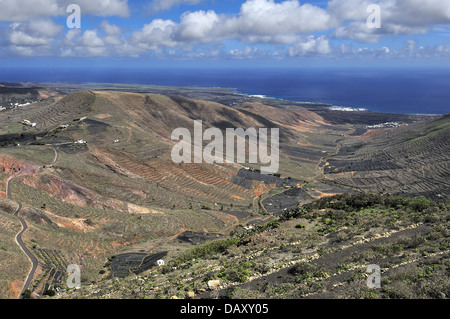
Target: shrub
x=419, y=204
x=49, y=292
x=207, y=250
x=304, y=271
x=236, y=272
x=396, y=202
x=26, y=294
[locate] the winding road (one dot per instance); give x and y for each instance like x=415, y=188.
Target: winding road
x=19, y=241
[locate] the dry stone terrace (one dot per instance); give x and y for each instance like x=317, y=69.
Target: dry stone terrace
x=119, y=194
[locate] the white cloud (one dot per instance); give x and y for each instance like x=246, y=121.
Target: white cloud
x=266, y=18
x=162, y=5
x=70, y=37
x=285, y=22
x=23, y=10
x=22, y=51
x=34, y=33
x=91, y=39
x=259, y=21
x=16, y=11
x=155, y=35
x=417, y=13
x=358, y=31
x=285, y=28
x=444, y=49
x=101, y=8
x=199, y=25
x=246, y=53
x=397, y=17
x=310, y=45
x=112, y=31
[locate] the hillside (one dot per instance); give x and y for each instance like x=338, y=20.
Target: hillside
x=319, y=250
x=12, y=96
x=96, y=179
x=411, y=159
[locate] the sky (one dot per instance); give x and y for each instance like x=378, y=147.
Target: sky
x=137, y=33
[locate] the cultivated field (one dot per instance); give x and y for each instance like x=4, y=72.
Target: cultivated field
x=96, y=180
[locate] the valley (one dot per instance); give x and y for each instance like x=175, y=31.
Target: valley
x=99, y=189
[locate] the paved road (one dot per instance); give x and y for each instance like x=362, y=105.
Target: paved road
x=32, y=258
x=19, y=241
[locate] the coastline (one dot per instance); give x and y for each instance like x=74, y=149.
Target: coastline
x=68, y=86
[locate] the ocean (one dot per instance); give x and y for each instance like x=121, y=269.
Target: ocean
x=419, y=91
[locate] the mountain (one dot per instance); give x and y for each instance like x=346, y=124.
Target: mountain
x=412, y=159
x=96, y=181
x=321, y=250
x=13, y=95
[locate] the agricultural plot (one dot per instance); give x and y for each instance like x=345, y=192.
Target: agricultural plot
x=319, y=250
x=414, y=162
x=112, y=190
x=187, y=181
x=195, y=238
x=13, y=263
x=40, y=155
x=124, y=265
x=93, y=233
x=287, y=200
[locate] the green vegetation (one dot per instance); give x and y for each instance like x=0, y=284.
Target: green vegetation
x=26, y=294
x=284, y=262
x=205, y=251
x=304, y=271
x=364, y=211
x=233, y=272
x=120, y=191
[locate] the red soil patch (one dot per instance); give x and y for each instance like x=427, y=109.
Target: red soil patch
x=261, y=189
x=15, y=288
x=63, y=190
x=322, y=195
x=119, y=243
x=13, y=168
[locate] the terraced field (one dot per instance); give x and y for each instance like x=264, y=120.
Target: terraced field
x=113, y=190
x=320, y=250
x=204, y=183
x=13, y=262
x=414, y=161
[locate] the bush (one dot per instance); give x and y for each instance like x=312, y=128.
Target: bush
x=419, y=204
x=26, y=294
x=207, y=250
x=396, y=202
x=341, y=236
x=236, y=272
x=49, y=292
x=304, y=271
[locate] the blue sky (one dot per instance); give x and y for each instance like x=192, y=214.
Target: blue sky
x=120, y=33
